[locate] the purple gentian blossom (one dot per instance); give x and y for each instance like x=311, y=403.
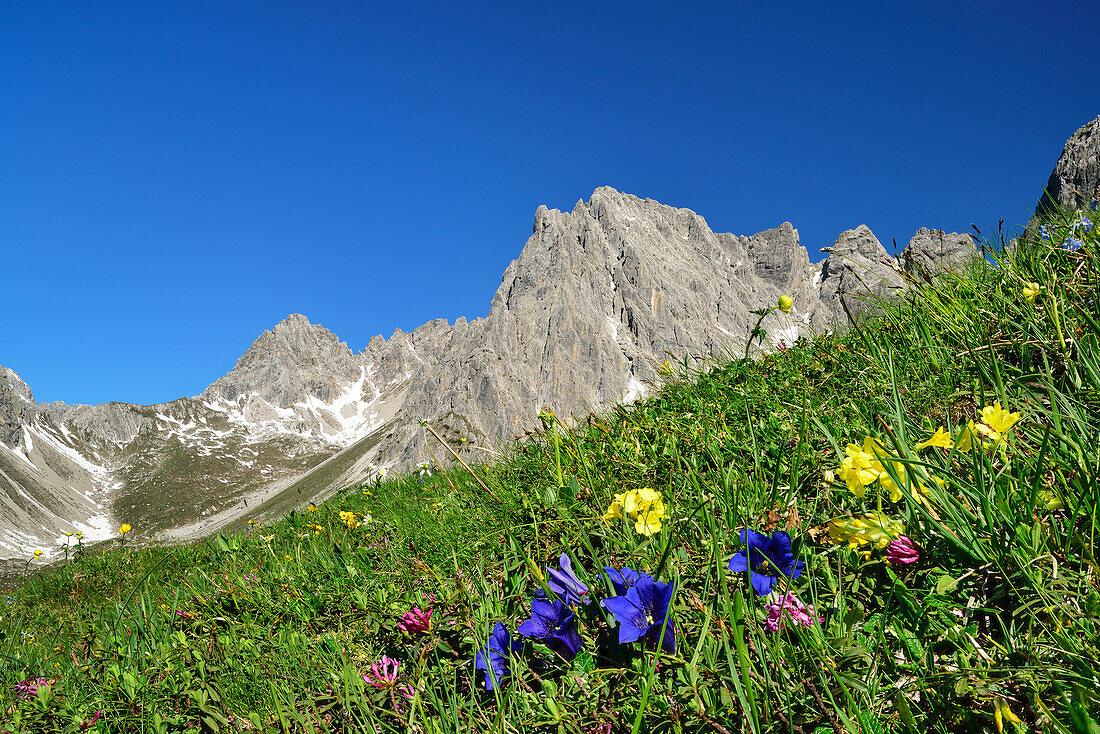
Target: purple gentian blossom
x=493, y=657
x=1072, y=244
x=565, y=583
x=903, y=550
x=644, y=612
x=766, y=558
x=553, y=623
x=622, y=578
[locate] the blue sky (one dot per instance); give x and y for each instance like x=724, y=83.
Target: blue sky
x=177, y=177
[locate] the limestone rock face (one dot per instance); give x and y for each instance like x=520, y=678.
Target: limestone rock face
x=857, y=268
x=1075, y=180
x=931, y=251
x=17, y=406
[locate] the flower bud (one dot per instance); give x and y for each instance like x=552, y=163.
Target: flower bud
x=785, y=304
x=903, y=550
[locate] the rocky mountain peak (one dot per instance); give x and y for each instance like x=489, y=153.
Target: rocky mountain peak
x=289, y=362
x=1075, y=180
x=17, y=405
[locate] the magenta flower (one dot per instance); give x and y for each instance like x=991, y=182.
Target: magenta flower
x=789, y=608
x=416, y=621
x=903, y=550
x=383, y=673
x=29, y=688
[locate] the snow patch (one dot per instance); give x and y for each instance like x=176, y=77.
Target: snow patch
x=634, y=390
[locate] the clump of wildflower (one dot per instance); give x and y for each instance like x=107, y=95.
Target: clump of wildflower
x=1044, y=232
x=1084, y=224
x=384, y=675
x=902, y=550
x=766, y=558
x=554, y=624
x=416, y=621
x=1030, y=292
x=665, y=370
x=350, y=519
x=645, y=506
x=37, y=552
x=314, y=527
x=29, y=687
x=1073, y=244
x=789, y=608
x=875, y=529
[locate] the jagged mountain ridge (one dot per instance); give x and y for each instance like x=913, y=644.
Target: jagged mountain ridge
x=597, y=298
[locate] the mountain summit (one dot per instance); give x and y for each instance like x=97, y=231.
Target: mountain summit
x=598, y=298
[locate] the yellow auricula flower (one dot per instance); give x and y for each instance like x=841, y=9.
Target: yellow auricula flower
x=124, y=529
x=37, y=553
x=968, y=438
x=998, y=419
x=1031, y=292
x=939, y=439
x=649, y=523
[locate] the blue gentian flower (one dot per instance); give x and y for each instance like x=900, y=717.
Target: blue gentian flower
x=1095, y=205
x=565, y=583
x=1072, y=244
x=1044, y=232
x=622, y=578
x=493, y=657
x=1085, y=224
x=553, y=623
x=766, y=558
x=643, y=611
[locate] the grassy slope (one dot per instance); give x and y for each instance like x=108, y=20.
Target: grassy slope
x=272, y=630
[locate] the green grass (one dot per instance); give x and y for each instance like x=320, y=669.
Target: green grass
x=273, y=629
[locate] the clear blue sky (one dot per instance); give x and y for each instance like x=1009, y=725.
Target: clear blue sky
x=177, y=177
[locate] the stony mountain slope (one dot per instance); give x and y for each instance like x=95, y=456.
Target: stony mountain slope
x=596, y=300
x=1075, y=180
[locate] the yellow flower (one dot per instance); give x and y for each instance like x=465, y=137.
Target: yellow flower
x=873, y=528
x=314, y=528
x=997, y=419
x=785, y=304
x=632, y=503
x=37, y=553
x=968, y=437
x=267, y=538
x=856, y=469
x=939, y=439
x=649, y=523
x=312, y=508
x=124, y=529
x=665, y=369
x=614, y=512
x=1031, y=292
x=349, y=519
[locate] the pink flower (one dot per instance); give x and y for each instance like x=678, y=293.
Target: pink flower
x=902, y=550
x=416, y=621
x=791, y=607
x=29, y=688
x=384, y=673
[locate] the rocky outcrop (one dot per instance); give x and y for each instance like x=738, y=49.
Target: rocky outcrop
x=857, y=271
x=932, y=251
x=17, y=406
x=1075, y=181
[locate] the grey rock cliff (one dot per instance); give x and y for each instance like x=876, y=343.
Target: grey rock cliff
x=17, y=406
x=932, y=251
x=1075, y=180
